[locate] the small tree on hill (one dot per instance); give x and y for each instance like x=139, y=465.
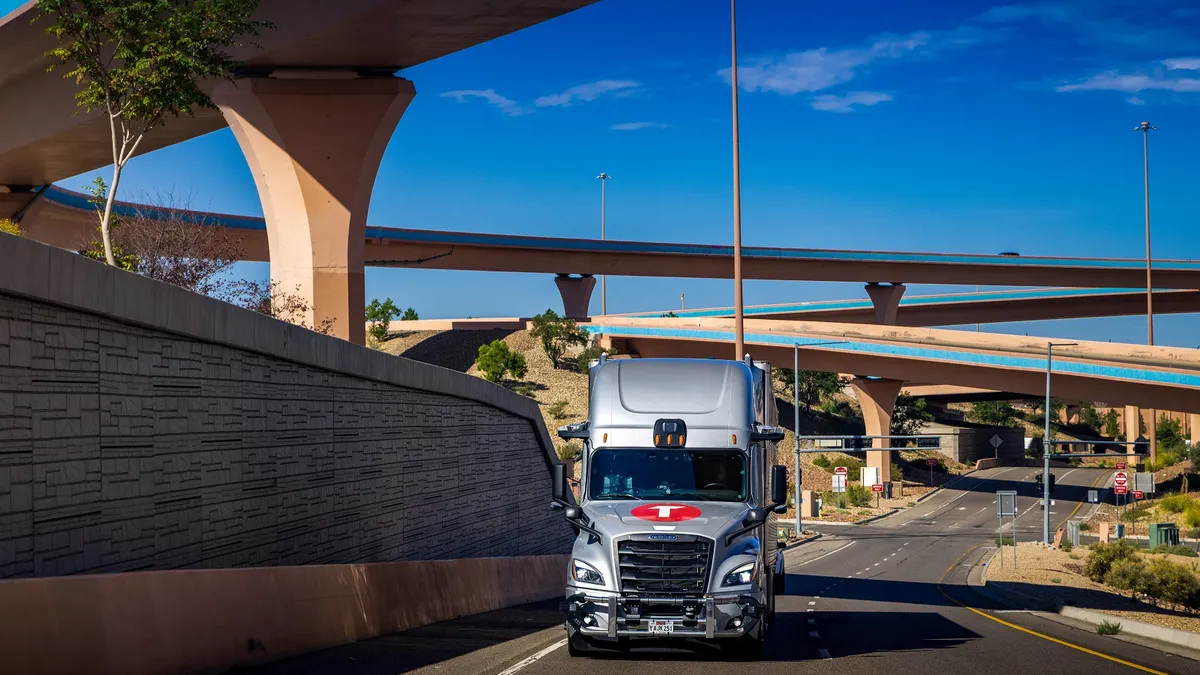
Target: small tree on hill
x=1089, y=417
x=556, y=333
x=141, y=61
x=814, y=385
x=495, y=360
x=410, y=314
x=995, y=413
x=909, y=415
x=379, y=318
x=1169, y=433
x=1112, y=425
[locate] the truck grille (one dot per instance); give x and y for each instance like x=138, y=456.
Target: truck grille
x=664, y=568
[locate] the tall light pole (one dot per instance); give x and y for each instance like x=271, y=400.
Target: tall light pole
x=604, y=277
x=1146, y=128
x=1046, y=445
x=738, y=323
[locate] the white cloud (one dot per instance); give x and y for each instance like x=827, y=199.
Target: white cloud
x=817, y=69
x=1012, y=13
x=846, y=103
x=585, y=92
x=1135, y=100
x=634, y=126
x=1132, y=83
x=505, y=104
x=1188, y=63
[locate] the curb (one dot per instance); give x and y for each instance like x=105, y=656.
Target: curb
x=1053, y=610
x=872, y=519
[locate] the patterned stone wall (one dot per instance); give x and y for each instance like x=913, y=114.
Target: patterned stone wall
x=124, y=447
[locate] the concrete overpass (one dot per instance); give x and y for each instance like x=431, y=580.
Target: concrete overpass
x=65, y=218
x=1164, y=378
x=313, y=109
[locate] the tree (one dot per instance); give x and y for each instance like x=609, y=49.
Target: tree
x=1090, y=417
x=1169, y=433
x=111, y=252
x=814, y=385
x=410, y=314
x=497, y=359
x=995, y=413
x=556, y=333
x=1112, y=425
x=379, y=318
x=269, y=299
x=9, y=226
x=141, y=61
x=1056, y=408
x=909, y=415
x=168, y=241
x=668, y=315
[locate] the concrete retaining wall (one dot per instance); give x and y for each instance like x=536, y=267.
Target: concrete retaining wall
x=160, y=623
x=143, y=427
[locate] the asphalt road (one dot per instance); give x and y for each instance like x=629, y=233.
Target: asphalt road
x=888, y=597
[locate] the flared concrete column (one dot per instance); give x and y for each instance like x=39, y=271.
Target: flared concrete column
x=886, y=299
x=1194, y=428
x=314, y=147
x=1133, y=416
x=877, y=398
x=576, y=294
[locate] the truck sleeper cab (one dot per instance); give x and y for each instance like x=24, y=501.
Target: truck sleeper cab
x=678, y=493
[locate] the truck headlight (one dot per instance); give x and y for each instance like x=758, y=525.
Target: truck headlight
x=586, y=573
x=741, y=576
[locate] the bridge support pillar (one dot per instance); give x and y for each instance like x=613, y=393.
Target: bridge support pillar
x=576, y=294
x=877, y=398
x=314, y=147
x=886, y=298
x=1133, y=423
x=1193, y=431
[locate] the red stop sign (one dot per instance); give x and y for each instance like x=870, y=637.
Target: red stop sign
x=666, y=513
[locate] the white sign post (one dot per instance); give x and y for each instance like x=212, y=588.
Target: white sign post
x=839, y=485
x=1006, y=506
x=1121, y=485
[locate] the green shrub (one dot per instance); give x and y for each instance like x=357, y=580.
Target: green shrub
x=1108, y=628
x=853, y=468
x=410, y=314
x=1103, y=556
x=1084, y=527
x=1192, y=518
x=556, y=333
x=897, y=473
x=379, y=318
x=1134, y=514
x=1067, y=545
x=1006, y=540
x=822, y=461
x=568, y=452
x=526, y=389
x=558, y=409
x=1176, y=503
x=858, y=495
x=497, y=359
x=1127, y=574
x=590, y=354
x=1171, y=582
x=1175, y=550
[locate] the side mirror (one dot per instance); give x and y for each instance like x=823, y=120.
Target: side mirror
x=573, y=512
x=770, y=434
x=559, y=488
x=779, y=485
x=755, y=516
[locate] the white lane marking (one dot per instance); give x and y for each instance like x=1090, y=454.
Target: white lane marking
x=812, y=622
x=906, y=543
x=814, y=635
x=810, y=609
x=828, y=554
x=815, y=597
x=811, y=603
x=823, y=652
x=533, y=658
x=962, y=508
x=857, y=573
x=875, y=565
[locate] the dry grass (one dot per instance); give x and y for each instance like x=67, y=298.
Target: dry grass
x=1039, y=568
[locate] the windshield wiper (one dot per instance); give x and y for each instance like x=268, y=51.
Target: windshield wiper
x=618, y=495
x=694, y=495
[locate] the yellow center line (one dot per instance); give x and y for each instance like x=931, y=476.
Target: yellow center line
x=1034, y=633
x=1080, y=504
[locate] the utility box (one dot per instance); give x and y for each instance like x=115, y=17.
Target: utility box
x=810, y=506
x=1073, y=532
x=1120, y=531
x=1163, y=534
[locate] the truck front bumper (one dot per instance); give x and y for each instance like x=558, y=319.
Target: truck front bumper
x=610, y=615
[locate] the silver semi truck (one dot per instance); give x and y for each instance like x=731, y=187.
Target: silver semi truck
x=675, y=521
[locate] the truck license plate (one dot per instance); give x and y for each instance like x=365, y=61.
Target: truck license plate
x=660, y=627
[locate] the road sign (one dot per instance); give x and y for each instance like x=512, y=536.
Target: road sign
x=1138, y=494
x=1143, y=481
x=869, y=475
x=839, y=482
x=840, y=471
x=1122, y=465
x=996, y=441
x=1093, y=496
x=1006, y=503
x=1120, y=479
x=878, y=487
x=1120, y=489
x=931, y=462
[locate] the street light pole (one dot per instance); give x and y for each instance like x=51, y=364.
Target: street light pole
x=738, y=323
x=1146, y=128
x=796, y=431
x=603, y=278
x=1046, y=445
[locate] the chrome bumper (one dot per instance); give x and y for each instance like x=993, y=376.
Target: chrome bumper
x=610, y=615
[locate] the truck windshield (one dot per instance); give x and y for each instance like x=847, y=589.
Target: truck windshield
x=650, y=473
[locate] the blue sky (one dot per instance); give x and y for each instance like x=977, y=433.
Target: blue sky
x=939, y=126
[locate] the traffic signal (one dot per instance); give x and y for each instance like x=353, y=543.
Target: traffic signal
x=1038, y=478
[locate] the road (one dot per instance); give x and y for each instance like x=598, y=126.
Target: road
x=891, y=596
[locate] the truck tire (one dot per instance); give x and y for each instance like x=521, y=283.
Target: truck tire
x=577, y=645
x=747, y=648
